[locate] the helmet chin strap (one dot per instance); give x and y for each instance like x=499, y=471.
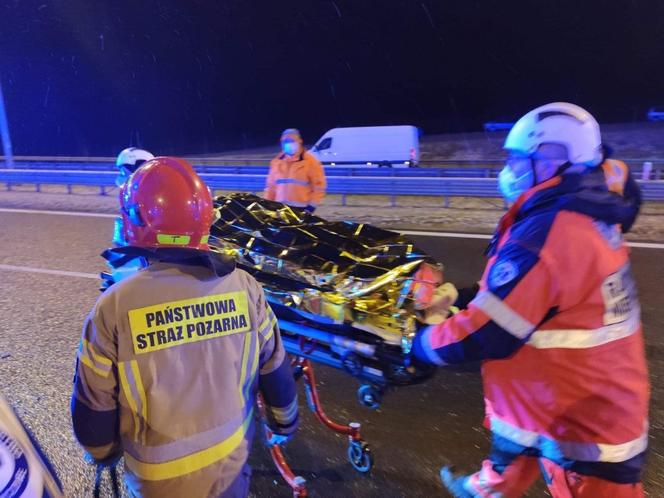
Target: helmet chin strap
x=561, y=169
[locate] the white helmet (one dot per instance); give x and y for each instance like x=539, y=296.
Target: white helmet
x=558, y=123
x=131, y=158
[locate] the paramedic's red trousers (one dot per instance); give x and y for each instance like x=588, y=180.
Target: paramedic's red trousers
x=512, y=469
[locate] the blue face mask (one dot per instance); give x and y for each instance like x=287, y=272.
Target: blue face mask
x=290, y=147
x=512, y=186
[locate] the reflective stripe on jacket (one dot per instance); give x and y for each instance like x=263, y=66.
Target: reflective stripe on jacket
x=178, y=353
x=297, y=181
x=557, y=320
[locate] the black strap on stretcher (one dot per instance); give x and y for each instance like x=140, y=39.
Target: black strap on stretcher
x=115, y=484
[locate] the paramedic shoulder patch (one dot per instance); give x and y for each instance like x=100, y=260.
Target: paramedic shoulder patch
x=503, y=272
x=182, y=322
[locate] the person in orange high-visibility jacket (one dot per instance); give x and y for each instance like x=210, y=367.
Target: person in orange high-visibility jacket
x=296, y=177
x=556, y=323
x=171, y=358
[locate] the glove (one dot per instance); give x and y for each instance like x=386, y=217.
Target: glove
x=466, y=295
x=278, y=439
x=310, y=209
x=110, y=463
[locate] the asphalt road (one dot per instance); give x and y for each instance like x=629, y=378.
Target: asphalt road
x=417, y=429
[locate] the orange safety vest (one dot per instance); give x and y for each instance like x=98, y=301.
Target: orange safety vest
x=615, y=173
x=297, y=181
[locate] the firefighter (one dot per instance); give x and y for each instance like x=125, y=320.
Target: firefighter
x=556, y=323
x=296, y=177
x=171, y=358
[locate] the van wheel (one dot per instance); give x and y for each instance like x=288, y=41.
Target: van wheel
x=385, y=164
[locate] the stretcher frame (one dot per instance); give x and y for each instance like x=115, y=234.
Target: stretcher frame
x=309, y=344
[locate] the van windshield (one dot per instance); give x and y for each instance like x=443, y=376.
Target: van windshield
x=326, y=143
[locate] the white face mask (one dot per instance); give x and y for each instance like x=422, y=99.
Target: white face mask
x=290, y=147
x=512, y=186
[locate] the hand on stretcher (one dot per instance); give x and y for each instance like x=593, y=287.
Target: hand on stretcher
x=442, y=300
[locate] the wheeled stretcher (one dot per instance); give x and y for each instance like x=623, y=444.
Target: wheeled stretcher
x=374, y=363
x=346, y=295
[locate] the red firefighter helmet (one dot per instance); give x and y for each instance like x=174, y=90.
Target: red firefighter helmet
x=166, y=204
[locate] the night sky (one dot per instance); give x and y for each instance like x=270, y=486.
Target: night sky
x=84, y=77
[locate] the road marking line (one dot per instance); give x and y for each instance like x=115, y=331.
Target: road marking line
x=61, y=213
x=457, y=235
x=61, y=273
x=645, y=245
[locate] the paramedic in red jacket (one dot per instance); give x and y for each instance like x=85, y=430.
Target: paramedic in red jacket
x=556, y=322
x=296, y=177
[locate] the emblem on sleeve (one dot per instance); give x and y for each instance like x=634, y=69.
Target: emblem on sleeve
x=14, y=472
x=503, y=272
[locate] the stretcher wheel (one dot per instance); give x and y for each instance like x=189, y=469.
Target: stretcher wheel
x=369, y=396
x=352, y=364
x=360, y=456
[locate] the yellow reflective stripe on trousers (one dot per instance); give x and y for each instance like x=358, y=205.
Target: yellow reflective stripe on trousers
x=129, y=371
x=190, y=463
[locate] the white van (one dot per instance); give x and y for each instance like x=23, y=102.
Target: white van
x=377, y=146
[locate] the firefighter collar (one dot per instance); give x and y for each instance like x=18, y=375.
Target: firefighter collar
x=220, y=264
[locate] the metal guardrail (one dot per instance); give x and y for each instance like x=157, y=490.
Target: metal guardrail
x=451, y=169
x=652, y=190
x=262, y=170
x=337, y=185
